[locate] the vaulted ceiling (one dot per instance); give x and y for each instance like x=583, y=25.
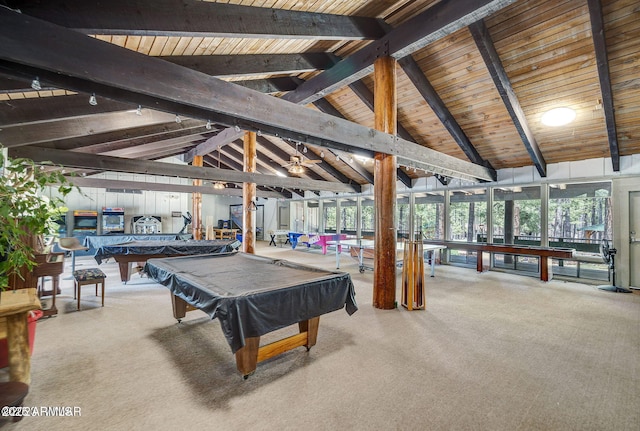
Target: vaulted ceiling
x=185, y=78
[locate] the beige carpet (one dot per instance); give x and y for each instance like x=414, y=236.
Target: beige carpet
x=493, y=351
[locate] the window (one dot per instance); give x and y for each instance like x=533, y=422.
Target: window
x=580, y=215
x=313, y=216
x=580, y=218
x=329, y=212
x=467, y=214
x=367, y=217
x=402, y=216
x=349, y=216
x=429, y=214
x=516, y=215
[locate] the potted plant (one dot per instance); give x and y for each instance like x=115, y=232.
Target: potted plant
x=26, y=215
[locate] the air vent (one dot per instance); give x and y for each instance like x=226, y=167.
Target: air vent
x=129, y=191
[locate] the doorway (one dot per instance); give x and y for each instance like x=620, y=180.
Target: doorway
x=283, y=217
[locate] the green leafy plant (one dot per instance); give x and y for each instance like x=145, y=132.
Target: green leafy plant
x=26, y=212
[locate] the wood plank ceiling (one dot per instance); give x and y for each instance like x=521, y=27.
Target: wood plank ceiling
x=474, y=78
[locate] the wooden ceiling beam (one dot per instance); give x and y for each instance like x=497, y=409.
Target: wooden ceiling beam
x=491, y=59
x=269, y=85
x=74, y=61
x=27, y=134
x=197, y=18
x=602, y=61
x=254, y=64
x=438, y=21
x=122, y=138
x=47, y=109
x=151, y=149
x=118, y=164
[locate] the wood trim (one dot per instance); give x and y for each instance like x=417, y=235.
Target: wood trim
x=205, y=19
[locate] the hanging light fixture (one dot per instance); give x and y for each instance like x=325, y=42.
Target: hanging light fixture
x=139, y=110
x=252, y=206
x=92, y=100
x=219, y=185
x=208, y=126
x=296, y=169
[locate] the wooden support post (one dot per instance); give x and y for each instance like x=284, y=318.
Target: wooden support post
x=196, y=212
x=15, y=306
x=249, y=195
x=385, y=106
x=18, y=343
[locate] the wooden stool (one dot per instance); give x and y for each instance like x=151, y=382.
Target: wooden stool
x=88, y=276
x=12, y=394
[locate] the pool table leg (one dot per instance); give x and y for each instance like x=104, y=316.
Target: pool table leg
x=247, y=357
x=179, y=307
x=125, y=271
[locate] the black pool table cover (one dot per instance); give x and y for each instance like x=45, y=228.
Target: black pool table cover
x=253, y=295
x=175, y=247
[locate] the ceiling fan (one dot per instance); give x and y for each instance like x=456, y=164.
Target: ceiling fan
x=297, y=163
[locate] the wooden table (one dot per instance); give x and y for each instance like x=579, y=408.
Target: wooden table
x=15, y=306
x=545, y=254
x=225, y=233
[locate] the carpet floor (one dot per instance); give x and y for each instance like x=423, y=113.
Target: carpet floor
x=492, y=351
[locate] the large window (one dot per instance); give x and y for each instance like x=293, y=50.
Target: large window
x=516, y=215
x=580, y=218
x=429, y=214
x=467, y=214
x=580, y=214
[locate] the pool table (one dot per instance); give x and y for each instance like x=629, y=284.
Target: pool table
x=97, y=241
x=253, y=295
x=140, y=251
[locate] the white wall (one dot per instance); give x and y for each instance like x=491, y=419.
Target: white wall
x=164, y=203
